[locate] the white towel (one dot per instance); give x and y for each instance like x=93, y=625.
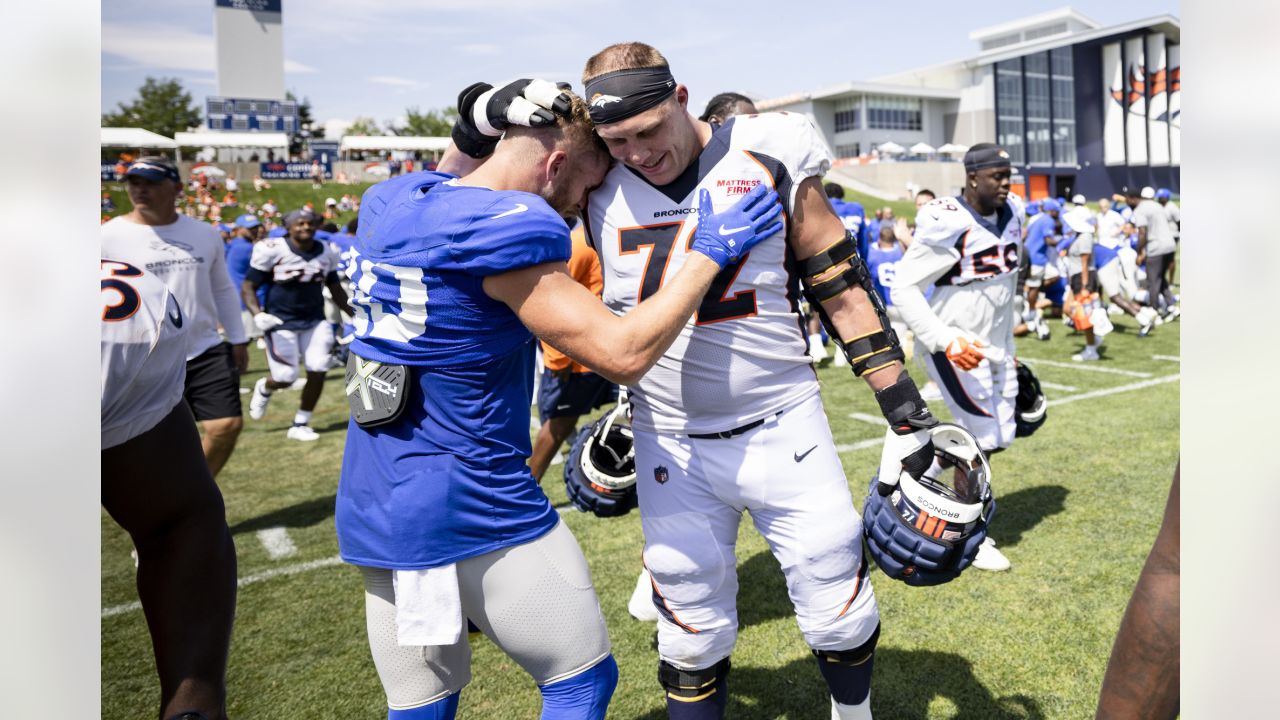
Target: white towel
x=428, y=606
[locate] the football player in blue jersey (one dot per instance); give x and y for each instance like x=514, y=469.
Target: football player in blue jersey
x=455, y=277
x=1043, y=232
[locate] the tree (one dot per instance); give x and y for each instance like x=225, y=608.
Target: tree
x=364, y=126
x=433, y=123
x=306, y=128
x=162, y=106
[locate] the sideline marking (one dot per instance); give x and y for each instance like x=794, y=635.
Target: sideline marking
x=1170, y=358
x=841, y=448
x=277, y=542
x=1056, y=386
x=1087, y=367
x=244, y=581
x=873, y=419
x=1113, y=390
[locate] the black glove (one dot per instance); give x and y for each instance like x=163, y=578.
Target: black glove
x=909, y=421
x=484, y=112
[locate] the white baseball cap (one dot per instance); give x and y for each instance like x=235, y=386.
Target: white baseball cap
x=1078, y=199
x=1148, y=193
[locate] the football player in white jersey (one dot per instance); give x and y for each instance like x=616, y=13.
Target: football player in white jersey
x=157, y=486
x=711, y=444
x=968, y=246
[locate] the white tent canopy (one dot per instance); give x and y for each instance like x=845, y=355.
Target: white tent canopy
x=135, y=138
x=953, y=149
x=394, y=142
x=889, y=148
x=922, y=148
x=232, y=139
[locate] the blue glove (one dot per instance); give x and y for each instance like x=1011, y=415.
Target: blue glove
x=728, y=235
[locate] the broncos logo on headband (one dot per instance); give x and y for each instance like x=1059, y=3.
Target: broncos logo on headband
x=599, y=100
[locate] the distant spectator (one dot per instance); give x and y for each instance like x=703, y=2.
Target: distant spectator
x=259, y=184
x=269, y=208
x=108, y=205
x=317, y=175
x=232, y=185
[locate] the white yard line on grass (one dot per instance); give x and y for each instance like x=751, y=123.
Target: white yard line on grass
x=1085, y=366
x=873, y=419
x=1056, y=386
x=841, y=448
x=246, y=580
x=277, y=542
x=1170, y=358
x=1113, y=390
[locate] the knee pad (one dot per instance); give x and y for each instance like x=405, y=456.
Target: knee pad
x=442, y=709
x=707, y=687
x=584, y=696
x=848, y=672
x=285, y=375
x=684, y=557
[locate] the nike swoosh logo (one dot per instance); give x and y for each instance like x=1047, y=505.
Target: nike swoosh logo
x=730, y=231
x=519, y=208
x=801, y=456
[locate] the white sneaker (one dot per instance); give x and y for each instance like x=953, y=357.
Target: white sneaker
x=1147, y=319
x=989, y=558
x=930, y=392
x=817, y=351
x=838, y=359
x=1173, y=314
x=261, y=398
x=1041, y=329
x=262, y=344
x=1089, y=353
x=641, y=603
x=303, y=433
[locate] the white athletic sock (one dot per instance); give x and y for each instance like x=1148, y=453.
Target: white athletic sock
x=861, y=711
x=302, y=417
x=815, y=339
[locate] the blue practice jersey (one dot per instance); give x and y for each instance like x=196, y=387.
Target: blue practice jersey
x=448, y=479
x=882, y=264
x=342, y=244
x=1040, y=227
x=854, y=218
x=238, y=252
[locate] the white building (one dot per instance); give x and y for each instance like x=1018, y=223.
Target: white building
x=1080, y=107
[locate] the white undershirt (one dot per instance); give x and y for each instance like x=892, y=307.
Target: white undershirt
x=188, y=256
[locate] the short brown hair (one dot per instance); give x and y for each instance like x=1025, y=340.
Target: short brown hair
x=622, y=56
x=577, y=127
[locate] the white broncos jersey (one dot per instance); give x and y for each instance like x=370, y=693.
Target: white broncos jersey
x=144, y=352
x=743, y=356
x=973, y=261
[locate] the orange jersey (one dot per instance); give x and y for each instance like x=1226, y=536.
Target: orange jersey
x=584, y=266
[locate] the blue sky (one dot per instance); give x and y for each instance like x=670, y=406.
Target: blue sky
x=375, y=58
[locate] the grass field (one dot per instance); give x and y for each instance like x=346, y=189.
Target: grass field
x=1078, y=507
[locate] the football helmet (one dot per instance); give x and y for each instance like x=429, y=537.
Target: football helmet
x=926, y=531
x=1031, y=408
x=600, y=473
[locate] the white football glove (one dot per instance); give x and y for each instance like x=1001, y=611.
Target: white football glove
x=896, y=447
x=265, y=321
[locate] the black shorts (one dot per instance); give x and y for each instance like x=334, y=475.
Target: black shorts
x=577, y=394
x=1076, y=282
x=213, y=385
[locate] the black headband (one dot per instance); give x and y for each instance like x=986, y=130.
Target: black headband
x=985, y=156
x=620, y=94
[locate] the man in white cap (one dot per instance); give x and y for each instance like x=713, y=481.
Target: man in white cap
x=1155, y=248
